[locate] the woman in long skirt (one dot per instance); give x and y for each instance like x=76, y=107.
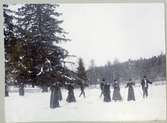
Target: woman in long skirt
x=54, y=98
x=106, y=93
x=21, y=89
x=70, y=97
x=116, y=93
x=131, y=95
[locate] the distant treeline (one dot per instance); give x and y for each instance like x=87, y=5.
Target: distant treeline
x=154, y=68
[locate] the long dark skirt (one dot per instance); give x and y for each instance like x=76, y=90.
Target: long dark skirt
x=107, y=97
x=54, y=99
x=106, y=93
x=21, y=91
x=116, y=94
x=131, y=95
x=44, y=88
x=60, y=94
x=71, y=97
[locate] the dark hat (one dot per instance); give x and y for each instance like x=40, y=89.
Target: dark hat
x=103, y=79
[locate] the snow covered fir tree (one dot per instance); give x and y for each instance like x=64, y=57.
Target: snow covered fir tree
x=50, y=69
x=36, y=57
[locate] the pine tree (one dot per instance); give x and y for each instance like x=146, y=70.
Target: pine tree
x=153, y=68
x=40, y=31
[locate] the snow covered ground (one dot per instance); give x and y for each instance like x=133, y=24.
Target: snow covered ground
x=35, y=107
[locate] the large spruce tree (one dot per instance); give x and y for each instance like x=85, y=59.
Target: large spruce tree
x=41, y=61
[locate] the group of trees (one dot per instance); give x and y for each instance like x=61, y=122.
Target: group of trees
x=33, y=55
x=153, y=68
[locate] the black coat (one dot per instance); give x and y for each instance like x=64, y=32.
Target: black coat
x=70, y=97
x=21, y=89
x=145, y=84
x=106, y=92
x=131, y=95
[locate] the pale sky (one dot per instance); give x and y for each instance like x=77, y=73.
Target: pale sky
x=104, y=32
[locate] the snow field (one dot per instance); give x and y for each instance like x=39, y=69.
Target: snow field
x=35, y=106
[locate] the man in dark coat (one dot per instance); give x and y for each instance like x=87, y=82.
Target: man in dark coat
x=6, y=90
x=116, y=93
x=106, y=92
x=21, y=89
x=82, y=89
x=131, y=95
x=144, y=84
x=70, y=97
x=54, y=98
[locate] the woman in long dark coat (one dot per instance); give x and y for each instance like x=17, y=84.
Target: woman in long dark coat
x=21, y=89
x=106, y=92
x=54, y=98
x=131, y=95
x=116, y=93
x=70, y=97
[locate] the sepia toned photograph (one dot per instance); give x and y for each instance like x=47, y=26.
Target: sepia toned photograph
x=84, y=62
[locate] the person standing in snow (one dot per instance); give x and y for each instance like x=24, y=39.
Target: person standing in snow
x=54, y=97
x=70, y=97
x=106, y=92
x=102, y=87
x=131, y=95
x=21, y=89
x=144, y=84
x=116, y=93
x=82, y=89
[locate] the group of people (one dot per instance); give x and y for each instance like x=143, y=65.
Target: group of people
x=105, y=90
x=56, y=94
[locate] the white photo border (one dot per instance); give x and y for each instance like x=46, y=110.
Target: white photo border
x=2, y=65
